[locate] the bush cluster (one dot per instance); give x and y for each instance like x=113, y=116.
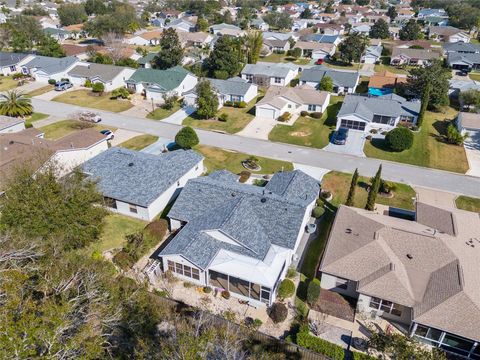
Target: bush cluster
x=226, y=294
x=313, y=291
x=98, y=87
x=120, y=93
x=318, y=211
x=223, y=117
x=316, y=115
x=319, y=345
x=286, y=289
x=278, y=313
x=285, y=117
x=237, y=104
x=244, y=176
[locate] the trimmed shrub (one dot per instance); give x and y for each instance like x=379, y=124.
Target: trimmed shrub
x=291, y=273
x=373, y=131
x=278, y=313
x=228, y=103
x=207, y=289
x=294, y=82
x=242, y=104
x=88, y=83
x=19, y=75
x=98, y=87
x=223, y=117
x=257, y=323
x=361, y=356
x=313, y=291
x=187, y=284
x=326, y=194
x=286, y=289
x=186, y=138
x=120, y=93
x=399, y=139
x=285, y=116
x=320, y=346
x=316, y=115
x=51, y=81
x=226, y=294
x=318, y=211
x=386, y=187
x=304, y=113
x=244, y=176
x=28, y=125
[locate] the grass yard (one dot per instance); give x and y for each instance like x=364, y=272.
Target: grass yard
x=307, y=131
x=362, y=87
x=475, y=76
x=37, y=117
x=7, y=83
x=115, y=228
x=468, y=203
x=278, y=58
x=339, y=183
x=160, y=113
x=237, y=119
x=40, y=91
x=219, y=159
x=392, y=69
x=341, y=65
x=139, y=142
x=62, y=128
x=429, y=149
x=86, y=99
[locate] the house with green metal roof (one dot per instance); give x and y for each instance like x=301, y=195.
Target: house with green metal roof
x=154, y=83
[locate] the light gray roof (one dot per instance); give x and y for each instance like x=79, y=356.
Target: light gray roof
x=269, y=69
x=388, y=105
x=340, y=78
x=253, y=216
x=105, y=73
x=7, y=121
x=461, y=47
x=224, y=26
x=466, y=58
x=9, y=59
x=136, y=177
x=276, y=35
x=233, y=86
x=436, y=218
x=374, y=50
x=51, y=65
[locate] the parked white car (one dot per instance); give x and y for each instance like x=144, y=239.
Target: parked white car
x=88, y=116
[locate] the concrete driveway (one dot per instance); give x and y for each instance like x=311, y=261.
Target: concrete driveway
x=367, y=70
x=353, y=146
x=158, y=146
x=258, y=128
x=178, y=117
x=472, y=150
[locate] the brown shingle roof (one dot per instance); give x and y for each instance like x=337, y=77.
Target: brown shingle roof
x=385, y=79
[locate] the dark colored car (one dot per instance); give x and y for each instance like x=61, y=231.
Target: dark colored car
x=341, y=136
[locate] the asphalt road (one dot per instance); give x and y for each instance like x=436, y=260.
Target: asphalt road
x=412, y=175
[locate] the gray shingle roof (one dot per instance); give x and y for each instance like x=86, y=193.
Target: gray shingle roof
x=253, y=216
x=467, y=58
x=340, y=78
x=8, y=58
x=138, y=178
x=104, y=72
x=231, y=86
x=461, y=47
x=51, y=65
x=387, y=105
x=269, y=69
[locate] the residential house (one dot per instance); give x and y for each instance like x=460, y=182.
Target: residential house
x=394, y=32
x=266, y=74
x=226, y=29
x=279, y=100
x=44, y=68
x=148, y=38
x=421, y=274
x=59, y=35
x=423, y=13
x=81, y=52
x=28, y=148
x=11, y=63
x=315, y=50
x=330, y=29
x=435, y=21
x=171, y=14
x=321, y=38
x=196, y=39
x=344, y=82
x=468, y=123
x=141, y=185
x=181, y=25
x=238, y=237
x=457, y=86
x=272, y=35
x=233, y=90
x=11, y=125
x=461, y=47
x=382, y=113
x=385, y=82
x=362, y=28
x=448, y=34
x=154, y=84
x=279, y=46
x=461, y=61
x=146, y=61
x=420, y=57
x=259, y=24
x=372, y=54
x=112, y=77
x=404, y=14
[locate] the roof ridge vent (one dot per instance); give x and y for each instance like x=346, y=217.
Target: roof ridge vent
x=130, y=164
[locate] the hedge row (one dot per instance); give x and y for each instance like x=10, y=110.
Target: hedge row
x=361, y=356
x=320, y=346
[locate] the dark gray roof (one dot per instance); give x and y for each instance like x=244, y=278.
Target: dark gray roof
x=253, y=216
x=461, y=47
x=388, y=105
x=136, y=177
x=8, y=58
x=234, y=86
x=466, y=58
x=340, y=78
x=51, y=65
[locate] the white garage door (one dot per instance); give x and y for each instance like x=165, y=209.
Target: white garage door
x=265, y=113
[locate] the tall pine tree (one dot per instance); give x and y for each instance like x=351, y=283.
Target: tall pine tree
x=372, y=195
x=207, y=100
x=425, y=101
x=171, y=51
x=351, y=192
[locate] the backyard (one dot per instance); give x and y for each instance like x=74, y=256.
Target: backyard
x=218, y=159
x=236, y=121
x=307, y=131
x=62, y=128
x=429, y=147
x=161, y=113
x=86, y=99
x=7, y=83
x=468, y=203
x=139, y=142
x=339, y=184
x=279, y=58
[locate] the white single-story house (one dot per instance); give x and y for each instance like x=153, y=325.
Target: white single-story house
x=44, y=68
x=234, y=90
x=372, y=54
x=448, y=34
x=147, y=38
x=279, y=100
x=467, y=61
x=266, y=74
x=112, y=77
x=382, y=113
x=153, y=83
x=344, y=82
x=315, y=50
x=11, y=63
x=417, y=57
x=259, y=24
x=276, y=45
x=11, y=125
x=141, y=185
x=421, y=274
x=226, y=29
x=238, y=237
x=468, y=123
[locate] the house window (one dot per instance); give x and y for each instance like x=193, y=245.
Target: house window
x=178, y=183
x=249, y=77
x=109, y=202
x=312, y=107
x=381, y=119
x=13, y=68
x=133, y=209
x=341, y=283
x=385, y=306
x=171, y=266
x=184, y=270
x=408, y=119
x=278, y=80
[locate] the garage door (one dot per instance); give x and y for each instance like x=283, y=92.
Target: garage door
x=265, y=113
x=354, y=125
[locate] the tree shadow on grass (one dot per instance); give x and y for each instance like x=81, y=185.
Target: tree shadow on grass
x=441, y=127
x=332, y=112
x=381, y=144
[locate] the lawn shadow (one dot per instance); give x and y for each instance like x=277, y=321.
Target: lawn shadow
x=441, y=127
x=381, y=144
x=332, y=112
x=363, y=185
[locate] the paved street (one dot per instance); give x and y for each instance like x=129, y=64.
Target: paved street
x=412, y=175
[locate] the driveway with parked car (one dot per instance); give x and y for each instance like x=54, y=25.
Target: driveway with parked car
x=353, y=144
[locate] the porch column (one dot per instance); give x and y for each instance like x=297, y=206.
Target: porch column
x=413, y=329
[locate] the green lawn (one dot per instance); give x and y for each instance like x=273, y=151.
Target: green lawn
x=339, y=184
x=278, y=58
x=86, y=98
x=37, y=117
x=474, y=76
x=40, y=91
x=160, y=113
x=362, y=87
x=237, y=119
x=392, y=69
x=307, y=131
x=468, y=203
x=429, y=149
x=62, y=128
x=7, y=83
x=218, y=159
x=139, y=142
x=115, y=227
x=341, y=65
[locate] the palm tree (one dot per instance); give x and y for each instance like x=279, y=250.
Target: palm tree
x=253, y=44
x=15, y=103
